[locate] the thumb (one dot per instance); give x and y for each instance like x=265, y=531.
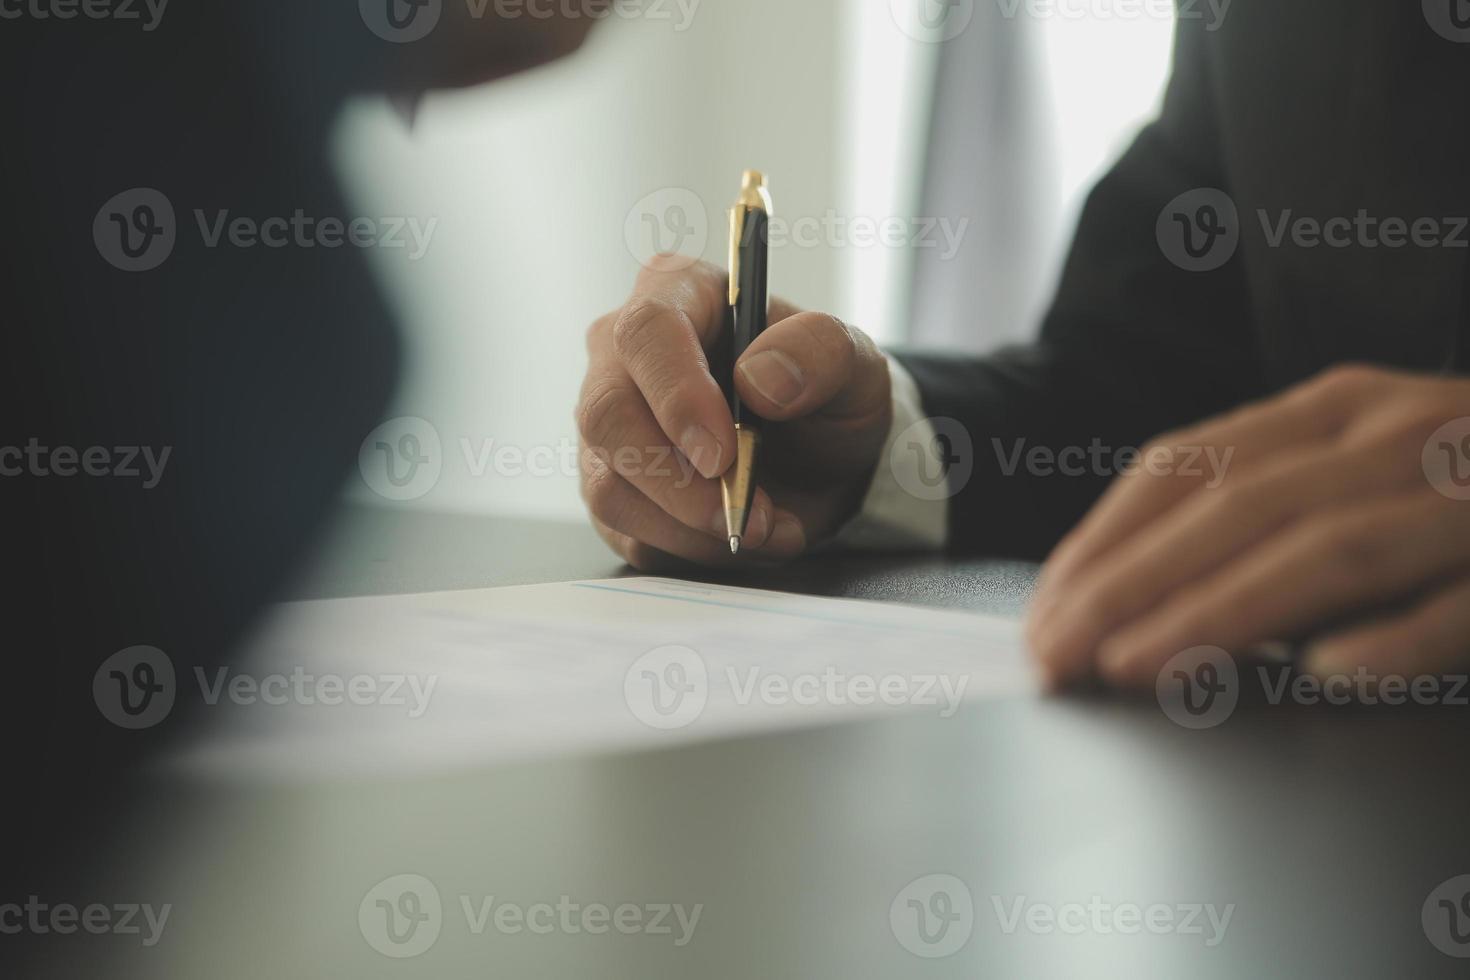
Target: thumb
x=812, y=363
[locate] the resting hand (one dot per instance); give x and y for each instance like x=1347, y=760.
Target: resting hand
x=1344, y=506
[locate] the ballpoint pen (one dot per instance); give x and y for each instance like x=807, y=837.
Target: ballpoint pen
x=749, y=224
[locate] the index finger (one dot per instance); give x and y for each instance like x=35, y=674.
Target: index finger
x=661, y=337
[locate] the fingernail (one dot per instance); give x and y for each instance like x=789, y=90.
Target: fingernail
x=1322, y=661
x=759, y=527
x=703, y=450
x=775, y=376
x=1042, y=607
x=787, y=535
x=1112, y=662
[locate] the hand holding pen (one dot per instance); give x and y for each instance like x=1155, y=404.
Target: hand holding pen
x=817, y=388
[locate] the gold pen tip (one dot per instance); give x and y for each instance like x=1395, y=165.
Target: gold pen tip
x=734, y=544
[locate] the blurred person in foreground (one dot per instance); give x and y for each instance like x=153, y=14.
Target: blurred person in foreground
x=248, y=376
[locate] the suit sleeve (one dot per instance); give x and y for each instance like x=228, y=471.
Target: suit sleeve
x=1133, y=346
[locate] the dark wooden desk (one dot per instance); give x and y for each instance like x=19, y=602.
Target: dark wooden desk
x=374, y=551
x=1324, y=830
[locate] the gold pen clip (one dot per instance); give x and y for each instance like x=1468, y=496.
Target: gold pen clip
x=737, y=231
x=753, y=197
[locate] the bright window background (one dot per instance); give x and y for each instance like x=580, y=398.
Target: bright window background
x=543, y=186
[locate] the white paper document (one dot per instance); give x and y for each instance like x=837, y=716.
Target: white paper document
x=453, y=679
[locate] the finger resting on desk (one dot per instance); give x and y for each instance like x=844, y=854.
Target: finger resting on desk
x=1239, y=441
x=1198, y=536
x=1429, y=638
x=1316, y=570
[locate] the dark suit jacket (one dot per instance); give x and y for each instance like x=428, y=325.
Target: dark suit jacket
x=1313, y=108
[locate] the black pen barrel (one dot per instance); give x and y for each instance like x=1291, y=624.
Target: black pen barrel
x=751, y=303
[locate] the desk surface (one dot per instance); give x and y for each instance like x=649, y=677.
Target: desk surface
x=1322, y=831
x=374, y=551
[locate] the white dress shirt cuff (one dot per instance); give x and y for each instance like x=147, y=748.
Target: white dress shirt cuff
x=902, y=511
